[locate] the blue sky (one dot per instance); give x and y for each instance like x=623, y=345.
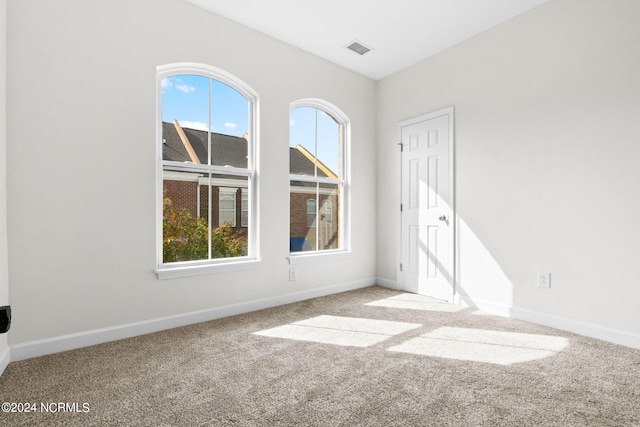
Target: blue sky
x=302, y=130
x=186, y=98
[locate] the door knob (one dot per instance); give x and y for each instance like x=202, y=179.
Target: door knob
x=443, y=218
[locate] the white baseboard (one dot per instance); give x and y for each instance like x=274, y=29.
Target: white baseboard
x=581, y=328
x=5, y=358
x=58, y=344
x=391, y=284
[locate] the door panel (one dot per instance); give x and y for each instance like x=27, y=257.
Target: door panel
x=414, y=240
x=426, y=226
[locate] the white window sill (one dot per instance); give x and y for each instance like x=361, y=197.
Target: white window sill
x=167, y=272
x=315, y=256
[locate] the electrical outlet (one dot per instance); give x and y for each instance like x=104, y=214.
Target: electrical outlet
x=292, y=275
x=544, y=279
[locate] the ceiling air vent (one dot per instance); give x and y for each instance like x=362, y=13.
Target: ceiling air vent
x=358, y=48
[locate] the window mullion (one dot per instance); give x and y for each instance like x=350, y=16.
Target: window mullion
x=317, y=217
x=198, y=199
x=315, y=154
x=222, y=170
x=315, y=144
x=320, y=179
x=209, y=163
x=209, y=216
x=340, y=212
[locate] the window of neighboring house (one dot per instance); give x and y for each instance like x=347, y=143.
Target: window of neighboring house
x=311, y=213
x=318, y=174
x=327, y=211
x=206, y=152
x=244, y=220
x=227, y=207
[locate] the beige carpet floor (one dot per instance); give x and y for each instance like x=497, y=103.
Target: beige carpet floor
x=371, y=357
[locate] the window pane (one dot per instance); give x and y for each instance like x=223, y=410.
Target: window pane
x=314, y=226
x=227, y=209
x=302, y=141
x=314, y=143
x=185, y=118
x=328, y=221
x=229, y=125
x=227, y=202
x=302, y=216
x=185, y=233
x=328, y=145
x=229, y=237
x=186, y=213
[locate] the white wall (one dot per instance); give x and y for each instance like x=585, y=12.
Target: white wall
x=546, y=109
x=4, y=275
x=547, y=176
x=81, y=146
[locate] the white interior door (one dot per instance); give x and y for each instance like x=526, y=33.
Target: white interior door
x=427, y=226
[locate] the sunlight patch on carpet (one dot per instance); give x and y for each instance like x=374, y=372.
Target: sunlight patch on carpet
x=336, y=330
x=477, y=345
x=416, y=302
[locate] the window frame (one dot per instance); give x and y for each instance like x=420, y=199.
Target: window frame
x=343, y=181
x=198, y=267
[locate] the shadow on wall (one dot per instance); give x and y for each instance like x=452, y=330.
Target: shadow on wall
x=481, y=271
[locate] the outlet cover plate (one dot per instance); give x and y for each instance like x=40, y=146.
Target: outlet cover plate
x=544, y=280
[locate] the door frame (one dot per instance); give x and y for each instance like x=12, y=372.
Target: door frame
x=453, y=248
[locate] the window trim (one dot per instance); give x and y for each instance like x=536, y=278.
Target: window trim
x=344, y=207
x=252, y=259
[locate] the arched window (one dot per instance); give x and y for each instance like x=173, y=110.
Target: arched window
x=318, y=174
x=206, y=157
x=227, y=207
x=326, y=214
x=311, y=213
